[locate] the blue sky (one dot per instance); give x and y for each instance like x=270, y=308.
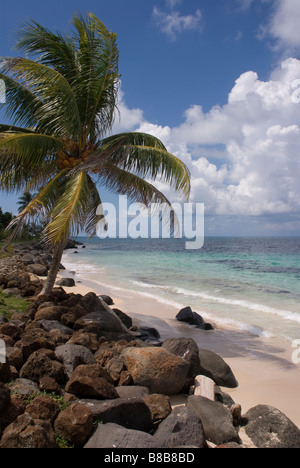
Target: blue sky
x=216, y=80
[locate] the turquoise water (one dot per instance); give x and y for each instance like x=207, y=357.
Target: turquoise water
x=239, y=283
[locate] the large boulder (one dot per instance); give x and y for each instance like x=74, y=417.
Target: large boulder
x=117, y=437
x=67, y=282
x=182, y=428
x=216, y=419
x=72, y=356
x=34, y=339
x=38, y=269
x=156, y=369
x=91, y=381
x=131, y=413
x=104, y=320
x=43, y=407
x=159, y=406
x=214, y=367
x=26, y=432
x=40, y=365
x=187, y=349
x=267, y=427
x=75, y=424
x=23, y=387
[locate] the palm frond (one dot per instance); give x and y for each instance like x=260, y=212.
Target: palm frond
x=70, y=214
x=98, y=58
x=58, y=113
x=22, y=104
x=137, y=190
x=41, y=203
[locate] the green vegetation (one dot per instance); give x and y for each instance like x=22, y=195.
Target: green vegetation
x=9, y=305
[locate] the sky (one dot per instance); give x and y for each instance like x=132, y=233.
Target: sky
x=218, y=81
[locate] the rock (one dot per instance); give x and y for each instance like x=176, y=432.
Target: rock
x=185, y=315
x=38, y=269
x=216, y=419
x=116, y=437
x=12, y=330
x=34, y=339
x=188, y=316
x=75, y=424
x=134, y=391
x=156, y=369
x=130, y=413
x=91, y=381
x=150, y=336
x=267, y=427
x=11, y=412
x=50, y=313
x=87, y=340
x=182, y=427
x=54, y=325
x=205, y=387
x=23, y=387
x=15, y=357
x=105, y=320
x=67, y=282
x=187, y=349
x=49, y=385
x=39, y=365
x=160, y=407
x=4, y=397
x=230, y=445
x=5, y=372
x=107, y=299
x=214, y=367
x=125, y=319
x=43, y=407
x=26, y=432
x=72, y=356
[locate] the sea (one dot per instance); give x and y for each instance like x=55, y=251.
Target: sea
x=245, y=284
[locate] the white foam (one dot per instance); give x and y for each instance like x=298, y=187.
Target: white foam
x=286, y=314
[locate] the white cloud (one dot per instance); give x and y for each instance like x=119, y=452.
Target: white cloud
x=172, y=23
x=284, y=24
x=243, y=156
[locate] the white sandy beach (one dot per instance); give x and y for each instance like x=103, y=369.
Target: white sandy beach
x=263, y=367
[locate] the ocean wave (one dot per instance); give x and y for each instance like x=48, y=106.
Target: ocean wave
x=285, y=314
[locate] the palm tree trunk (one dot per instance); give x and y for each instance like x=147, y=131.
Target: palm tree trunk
x=54, y=268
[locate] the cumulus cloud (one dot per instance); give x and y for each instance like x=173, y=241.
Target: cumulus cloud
x=171, y=22
x=243, y=156
x=284, y=25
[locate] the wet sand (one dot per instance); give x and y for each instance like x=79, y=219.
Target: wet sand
x=263, y=367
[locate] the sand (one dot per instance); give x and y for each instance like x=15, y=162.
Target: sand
x=263, y=367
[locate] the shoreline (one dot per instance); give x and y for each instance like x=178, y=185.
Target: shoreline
x=262, y=366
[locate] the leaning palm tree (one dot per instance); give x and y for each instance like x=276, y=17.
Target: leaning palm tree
x=61, y=100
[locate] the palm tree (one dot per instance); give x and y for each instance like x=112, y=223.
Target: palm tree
x=24, y=200
x=62, y=102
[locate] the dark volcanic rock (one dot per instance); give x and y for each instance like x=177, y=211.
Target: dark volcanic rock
x=267, y=427
x=132, y=413
x=216, y=419
x=75, y=424
x=115, y=436
x=26, y=432
x=214, y=367
x=91, y=381
x=182, y=427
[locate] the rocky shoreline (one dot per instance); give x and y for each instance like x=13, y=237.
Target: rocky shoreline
x=78, y=373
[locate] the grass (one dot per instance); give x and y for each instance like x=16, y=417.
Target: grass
x=9, y=305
